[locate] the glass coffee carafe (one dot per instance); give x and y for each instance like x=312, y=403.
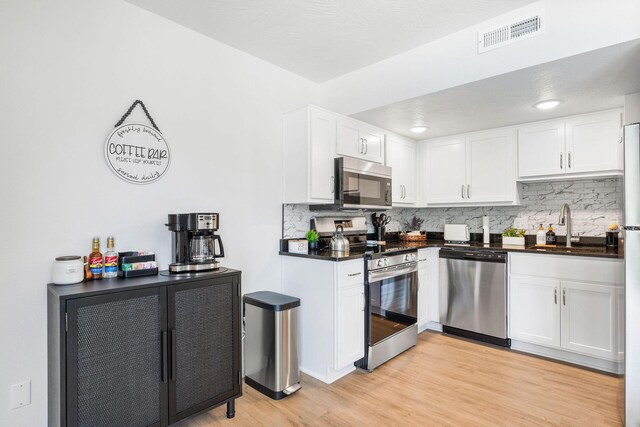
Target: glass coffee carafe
x=202, y=249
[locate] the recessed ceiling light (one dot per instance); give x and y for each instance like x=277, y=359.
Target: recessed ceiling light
x=548, y=104
x=419, y=129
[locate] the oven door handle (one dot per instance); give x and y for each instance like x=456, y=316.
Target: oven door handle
x=386, y=273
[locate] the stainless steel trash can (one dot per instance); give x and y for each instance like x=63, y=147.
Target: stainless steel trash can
x=271, y=344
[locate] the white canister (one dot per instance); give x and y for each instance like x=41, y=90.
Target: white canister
x=298, y=246
x=68, y=270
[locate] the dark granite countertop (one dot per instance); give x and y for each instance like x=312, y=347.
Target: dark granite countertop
x=600, y=251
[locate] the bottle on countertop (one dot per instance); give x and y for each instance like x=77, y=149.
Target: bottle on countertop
x=95, y=259
x=541, y=236
x=110, y=260
x=551, y=236
x=87, y=271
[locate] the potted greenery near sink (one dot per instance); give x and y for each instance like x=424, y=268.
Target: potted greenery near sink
x=312, y=238
x=513, y=237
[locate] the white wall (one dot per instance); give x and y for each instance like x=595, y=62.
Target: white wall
x=632, y=108
x=573, y=27
x=69, y=70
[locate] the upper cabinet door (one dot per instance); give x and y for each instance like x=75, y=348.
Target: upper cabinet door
x=322, y=150
x=359, y=140
x=373, y=140
x=541, y=149
x=490, y=166
x=446, y=171
x=593, y=142
x=350, y=143
x=401, y=157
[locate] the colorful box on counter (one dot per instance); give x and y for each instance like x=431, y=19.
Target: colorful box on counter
x=137, y=264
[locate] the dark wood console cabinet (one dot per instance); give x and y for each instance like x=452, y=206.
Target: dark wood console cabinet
x=147, y=351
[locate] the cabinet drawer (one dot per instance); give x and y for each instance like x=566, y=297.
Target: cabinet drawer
x=350, y=273
x=588, y=269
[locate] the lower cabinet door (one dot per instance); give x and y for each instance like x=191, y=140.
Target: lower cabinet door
x=589, y=319
x=423, y=280
x=350, y=326
x=116, y=359
x=204, y=340
x=534, y=310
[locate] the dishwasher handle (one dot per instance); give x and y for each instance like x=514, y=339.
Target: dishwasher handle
x=466, y=255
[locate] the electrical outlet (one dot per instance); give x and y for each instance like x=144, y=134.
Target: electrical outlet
x=20, y=394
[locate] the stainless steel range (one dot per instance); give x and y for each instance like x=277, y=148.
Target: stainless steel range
x=391, y=290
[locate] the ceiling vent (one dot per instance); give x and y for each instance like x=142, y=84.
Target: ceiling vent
x=505, y=34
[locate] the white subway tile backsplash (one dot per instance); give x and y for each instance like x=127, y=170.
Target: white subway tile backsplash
x=594, y=205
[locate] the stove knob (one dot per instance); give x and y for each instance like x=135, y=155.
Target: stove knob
x=386, y=261
x=407, y=257
x=413, y=257
x=379, y=263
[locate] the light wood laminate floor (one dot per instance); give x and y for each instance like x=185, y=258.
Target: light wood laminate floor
x=443, y=381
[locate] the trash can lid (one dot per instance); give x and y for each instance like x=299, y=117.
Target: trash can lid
x=271, y=300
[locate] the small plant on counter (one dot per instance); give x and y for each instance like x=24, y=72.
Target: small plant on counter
x=513, y=232
x=414, y=224
x=311, y=236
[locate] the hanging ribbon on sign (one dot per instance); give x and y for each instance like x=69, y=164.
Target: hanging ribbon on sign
x=135, y=152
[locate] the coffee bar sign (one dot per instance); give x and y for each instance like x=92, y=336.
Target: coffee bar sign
x=137, y=153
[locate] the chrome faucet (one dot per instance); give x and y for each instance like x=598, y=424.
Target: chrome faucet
x=565, y=219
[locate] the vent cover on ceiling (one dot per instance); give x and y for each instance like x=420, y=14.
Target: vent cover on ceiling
x=502, y=35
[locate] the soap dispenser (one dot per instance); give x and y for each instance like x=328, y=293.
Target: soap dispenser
x=541, y=236
x=551, y=236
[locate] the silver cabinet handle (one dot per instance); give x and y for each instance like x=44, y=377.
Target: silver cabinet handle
x=401, y=191
x=564, y=297
x=423, y=259
x=332, y=184
x=555, y=296
x=361, y=145
x=569, y=159
x=468, y=191
x=462, y=191
x=560, y=160
x=354, y=274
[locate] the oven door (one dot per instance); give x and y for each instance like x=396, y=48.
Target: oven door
x=393, y=301
x=363, y=184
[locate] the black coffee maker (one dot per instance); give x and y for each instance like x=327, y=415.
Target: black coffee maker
x=195, y=246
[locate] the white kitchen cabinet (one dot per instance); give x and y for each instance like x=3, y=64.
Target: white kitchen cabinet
x=589, y=318
x=350, y=325
x=541, y=149
x=571, y=305
x=360, y=140
x=330, y=317
x=588, y=145
x=400, y=155
x=423, y=288
x=491, y=166
x=309, y=152
x=475, y=168
x=593, y=142
x=535, y=311
x=446, y=170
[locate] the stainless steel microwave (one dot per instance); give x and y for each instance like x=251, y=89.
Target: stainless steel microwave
x=360, y=185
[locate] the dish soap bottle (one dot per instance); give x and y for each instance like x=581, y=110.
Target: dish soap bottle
x=551, y=236
x=110, y=260
x=541, y=236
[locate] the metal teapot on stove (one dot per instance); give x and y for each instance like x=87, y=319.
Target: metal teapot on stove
x=339, y=243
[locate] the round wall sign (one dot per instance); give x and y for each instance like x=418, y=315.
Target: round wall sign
x=137, y=153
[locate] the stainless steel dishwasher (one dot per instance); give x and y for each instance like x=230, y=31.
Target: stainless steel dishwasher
x=473, y=294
